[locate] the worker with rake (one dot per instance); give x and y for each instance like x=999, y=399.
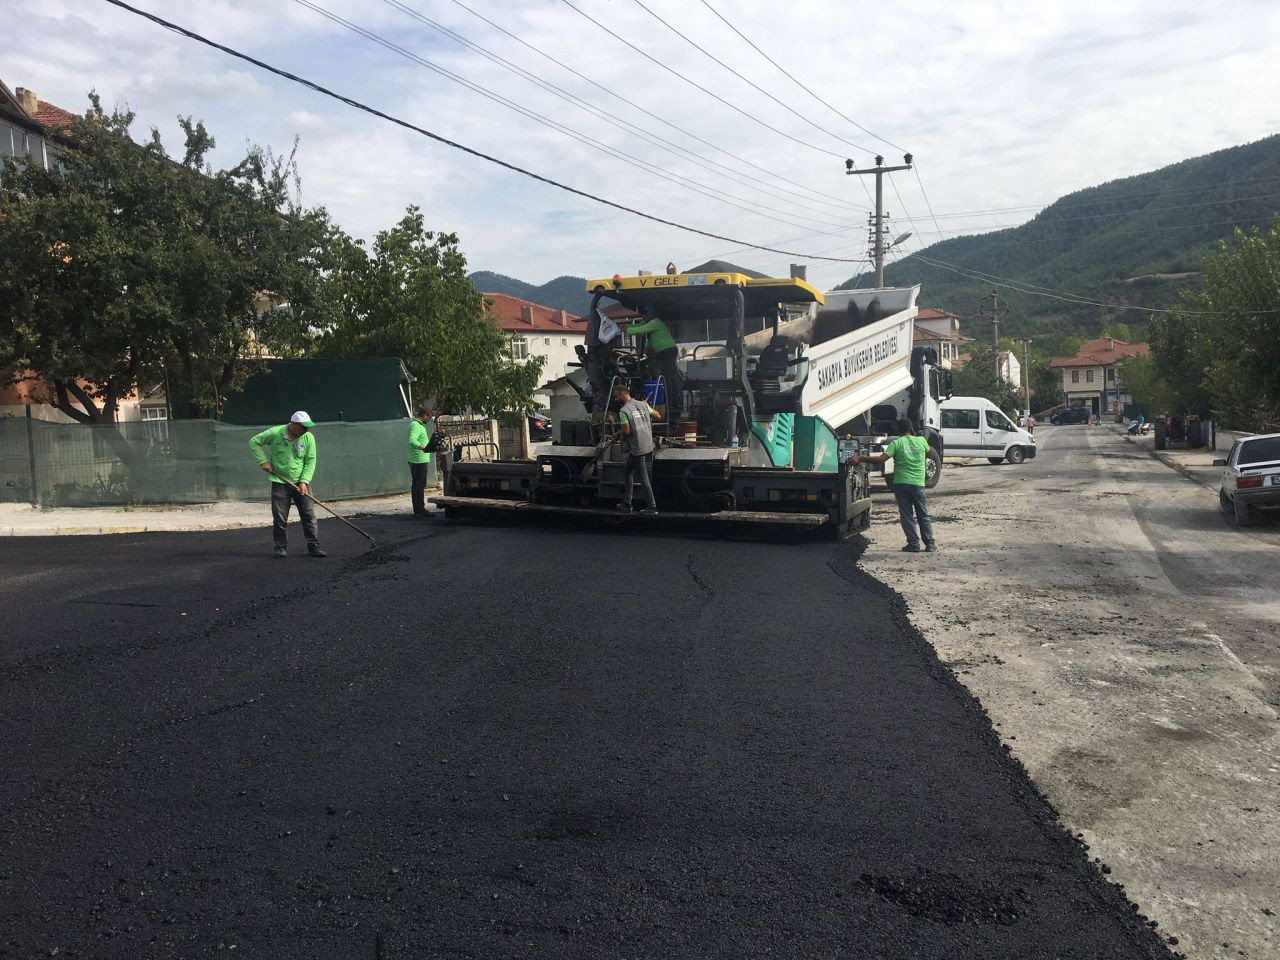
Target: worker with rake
x=288, y=455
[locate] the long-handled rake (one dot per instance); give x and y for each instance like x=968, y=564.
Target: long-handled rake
x=330, y=509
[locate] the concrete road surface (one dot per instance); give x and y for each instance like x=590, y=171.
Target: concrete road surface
x=507, y=742
x=1125, y=638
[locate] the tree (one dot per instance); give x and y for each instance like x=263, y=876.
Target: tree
x=121, y=266
x=1142, y=379
x=409, y=297
x=978, y=379
x=1219, y=353
x=1046, y=385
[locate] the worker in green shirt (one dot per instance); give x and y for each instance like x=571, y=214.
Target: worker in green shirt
x=908, y=453
x=661, y=348
x=419, y=459
x=288, y=453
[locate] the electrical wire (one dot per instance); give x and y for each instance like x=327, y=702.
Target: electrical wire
x=653, y=169
x=656, y=139
x=1172, y=191
x=373, y=111
x=715, y=96
x=790, y=77
x=649, y=113
x=1045, y=292
x=752, y=84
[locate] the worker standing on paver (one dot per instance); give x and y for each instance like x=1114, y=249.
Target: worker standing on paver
x=637, y=433
x=661, y=346
x=908, y=453
x=288, y=454
x=419, y=459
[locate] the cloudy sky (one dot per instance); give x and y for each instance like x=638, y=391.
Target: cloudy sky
x=1005, y=106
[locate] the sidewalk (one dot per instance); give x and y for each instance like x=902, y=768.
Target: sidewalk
x=1195, y=465
x=23, y=520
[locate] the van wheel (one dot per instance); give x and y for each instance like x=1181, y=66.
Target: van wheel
x=1016, y=455
x=932, y=468
x=995, y=459
x=1244, y=516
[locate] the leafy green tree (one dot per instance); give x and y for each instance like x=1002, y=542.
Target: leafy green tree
x=978, y=379
x=1220, y=352
x=1046, y=385
x=409, y=297
x=122, y=268
x=1142, y=379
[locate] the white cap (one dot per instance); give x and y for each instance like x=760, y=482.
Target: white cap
x=303, y=418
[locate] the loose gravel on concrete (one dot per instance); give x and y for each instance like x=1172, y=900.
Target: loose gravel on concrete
x=507, y=742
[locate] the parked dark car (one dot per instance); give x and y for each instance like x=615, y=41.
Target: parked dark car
x=1072, y=415
x=539, y=427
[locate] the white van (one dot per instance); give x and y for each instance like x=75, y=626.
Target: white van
x=976, y=427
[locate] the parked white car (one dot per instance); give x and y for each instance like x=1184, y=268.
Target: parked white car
x=976, y=427
x=1250, y=477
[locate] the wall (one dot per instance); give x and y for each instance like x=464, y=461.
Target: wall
x=187, y=461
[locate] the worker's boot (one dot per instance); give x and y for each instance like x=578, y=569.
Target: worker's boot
x=623, y=507
x=313, y=550
x=281, y=552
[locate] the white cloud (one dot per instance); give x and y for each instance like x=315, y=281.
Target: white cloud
x=1002, y=103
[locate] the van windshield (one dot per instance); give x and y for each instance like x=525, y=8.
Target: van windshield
x=1264, y=450
x=998, y=421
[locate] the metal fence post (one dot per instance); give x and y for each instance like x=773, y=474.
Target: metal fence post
x=31, y=458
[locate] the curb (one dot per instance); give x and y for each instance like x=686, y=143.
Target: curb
x=142, y=528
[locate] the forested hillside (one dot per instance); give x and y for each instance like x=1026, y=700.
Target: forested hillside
x=1139, y=240
x=562, y=293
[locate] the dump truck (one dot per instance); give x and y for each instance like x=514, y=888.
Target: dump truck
x=769, y=369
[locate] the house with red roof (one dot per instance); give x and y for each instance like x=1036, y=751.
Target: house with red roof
x=536, y=331
x=31, y=127
x=940, y=330
x=1091, y=378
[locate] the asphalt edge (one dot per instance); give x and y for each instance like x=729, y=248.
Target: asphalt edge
x=1029, y=794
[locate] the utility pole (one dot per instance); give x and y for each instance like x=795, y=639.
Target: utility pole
x=995, y=329
x=879, y=248
x=1026, y=377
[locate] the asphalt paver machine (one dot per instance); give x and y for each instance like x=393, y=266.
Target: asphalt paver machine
x=765, y=374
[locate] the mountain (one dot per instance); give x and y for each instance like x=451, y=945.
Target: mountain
x=570, y=293
x=562, y=293
x=1138, y=240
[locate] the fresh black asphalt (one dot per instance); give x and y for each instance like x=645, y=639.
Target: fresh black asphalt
x=512, y=741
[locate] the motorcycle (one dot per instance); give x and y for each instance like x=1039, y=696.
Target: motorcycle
x=1139, y=426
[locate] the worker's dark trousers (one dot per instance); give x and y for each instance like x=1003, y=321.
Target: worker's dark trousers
x=418, y=490
x=641, y=468
x=671, y=381
x=912, y=498
x=281, y=496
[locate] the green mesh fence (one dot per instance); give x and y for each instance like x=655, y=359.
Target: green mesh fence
x=186, y=461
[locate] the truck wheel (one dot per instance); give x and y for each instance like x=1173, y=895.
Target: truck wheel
x=1244, y=517
x=932, y=468
x=995, y=459
x=1016, y=455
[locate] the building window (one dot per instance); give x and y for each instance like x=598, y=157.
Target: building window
x=1111, y=374
x=564, y=341
x=1075, y=376
x=546, y=341
x=519, y=348
x=1088, y=376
